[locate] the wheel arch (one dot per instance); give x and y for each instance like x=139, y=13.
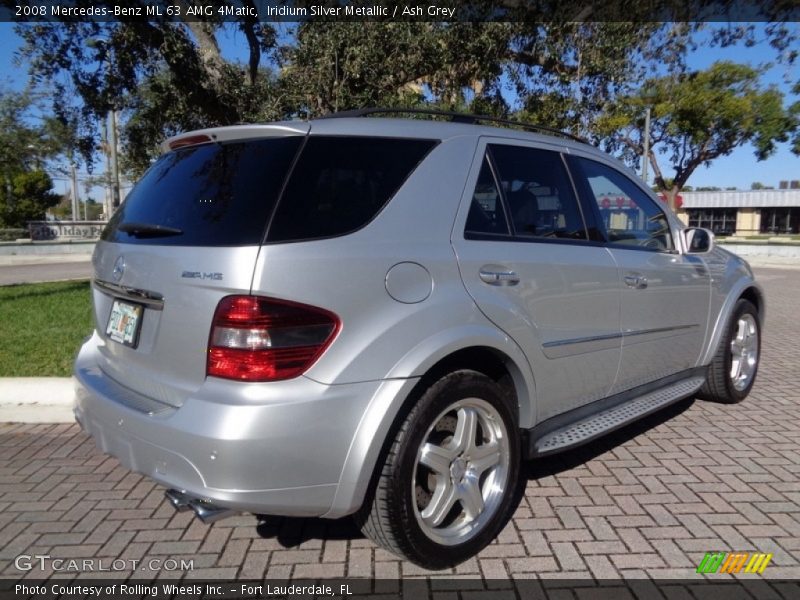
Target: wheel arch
x=499, y=359
x=756, y=296
x=746, y=289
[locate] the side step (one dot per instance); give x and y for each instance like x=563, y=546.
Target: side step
x=593, y=426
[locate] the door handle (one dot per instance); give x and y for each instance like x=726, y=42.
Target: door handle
x=498, y=276
x=636, y=281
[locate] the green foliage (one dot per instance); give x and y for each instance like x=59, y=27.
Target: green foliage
x=177, y=64
x=12, y=235
x=25, y=197
x=702, y=115
x=25, y=188
x=542, y=65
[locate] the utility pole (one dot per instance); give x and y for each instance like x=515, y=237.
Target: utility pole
x=76, y=214
x=107, y=177
x=646, y=156
x=114, y=164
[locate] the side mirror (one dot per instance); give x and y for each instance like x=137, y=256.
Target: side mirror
x=698, y=240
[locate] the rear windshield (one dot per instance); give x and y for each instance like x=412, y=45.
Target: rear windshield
x=339, y=184
x=224, y=194
x=207, y=195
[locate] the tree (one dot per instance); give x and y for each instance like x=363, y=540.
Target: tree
x=25, y=197
x=25, y=188
x=168, y=71
x=540, y=62
x=699, y=116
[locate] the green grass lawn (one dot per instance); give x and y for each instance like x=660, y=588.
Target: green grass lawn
x=42, y=326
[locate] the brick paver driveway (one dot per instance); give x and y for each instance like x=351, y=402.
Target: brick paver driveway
x=649, y=501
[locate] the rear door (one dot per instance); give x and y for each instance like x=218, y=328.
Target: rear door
x=528, y=260
x=665, y=294
x=187, y=235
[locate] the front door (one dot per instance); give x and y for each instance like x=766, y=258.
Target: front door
x=527, y=261
x=665, y=294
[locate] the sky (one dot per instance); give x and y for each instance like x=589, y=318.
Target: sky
x=740, y=169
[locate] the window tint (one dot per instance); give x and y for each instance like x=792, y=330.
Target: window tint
x=486, y=213
x=207, y=195
x=340, y=183
x=630, y=217
x=538, y=193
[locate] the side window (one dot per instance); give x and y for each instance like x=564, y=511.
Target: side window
x=538, y=193
x=629, y=216
x=486, y=213
x=339, y=184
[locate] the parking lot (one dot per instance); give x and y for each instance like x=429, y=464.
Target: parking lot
x=647, y=502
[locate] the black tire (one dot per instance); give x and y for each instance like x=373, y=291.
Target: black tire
x=393, y=514
x=721, y=385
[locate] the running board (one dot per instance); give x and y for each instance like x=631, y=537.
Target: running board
x=595, y=425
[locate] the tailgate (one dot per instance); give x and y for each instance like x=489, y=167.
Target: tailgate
x=178, y=292
x=187, y=235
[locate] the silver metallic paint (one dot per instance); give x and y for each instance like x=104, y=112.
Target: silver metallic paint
x=308, y=446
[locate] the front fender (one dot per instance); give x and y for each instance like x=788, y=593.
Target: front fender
x=730, y=282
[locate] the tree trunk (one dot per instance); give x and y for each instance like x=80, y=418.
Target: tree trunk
x=671, y=195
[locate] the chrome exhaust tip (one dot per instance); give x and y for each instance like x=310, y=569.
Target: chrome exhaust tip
x=206, y=511
x=178, y=499
x=210, y=513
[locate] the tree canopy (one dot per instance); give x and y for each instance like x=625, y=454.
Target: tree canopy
x=699, y=116
x=166, y=76
x=25, y=187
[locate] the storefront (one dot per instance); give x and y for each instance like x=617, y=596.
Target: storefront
x=742, y=213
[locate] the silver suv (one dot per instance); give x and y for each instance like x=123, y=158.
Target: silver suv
x=382, y=317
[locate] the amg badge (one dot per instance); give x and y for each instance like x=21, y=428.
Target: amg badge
x=201, y=275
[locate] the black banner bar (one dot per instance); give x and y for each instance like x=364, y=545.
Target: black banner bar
x=30, y=11
x=701, y=588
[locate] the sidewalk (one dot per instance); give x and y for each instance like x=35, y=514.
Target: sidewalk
x=19, y=260
x=36, y=399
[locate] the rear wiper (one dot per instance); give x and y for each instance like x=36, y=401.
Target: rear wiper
x=148, y=230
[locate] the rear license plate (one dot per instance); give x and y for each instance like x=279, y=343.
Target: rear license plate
x=125, y=322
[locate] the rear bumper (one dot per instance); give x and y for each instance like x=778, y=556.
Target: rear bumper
x=277, y=448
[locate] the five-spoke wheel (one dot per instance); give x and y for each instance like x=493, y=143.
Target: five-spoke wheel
x=446, y=486
x=733, y=370
x=744, y=351
x=461, y=471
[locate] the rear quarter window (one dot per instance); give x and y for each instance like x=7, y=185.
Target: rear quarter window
x=213, y=194
x=340, y=184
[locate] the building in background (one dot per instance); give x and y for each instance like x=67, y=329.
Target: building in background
x=745, y=212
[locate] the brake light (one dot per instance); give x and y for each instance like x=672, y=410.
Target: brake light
x=254, y=338
x=190, y=140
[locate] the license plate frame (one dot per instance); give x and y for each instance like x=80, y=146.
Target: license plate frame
x=125, y=322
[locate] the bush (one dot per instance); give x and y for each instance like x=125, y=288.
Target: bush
x=12, y=235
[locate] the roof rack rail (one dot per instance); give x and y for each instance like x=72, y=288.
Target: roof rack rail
x=456, y=117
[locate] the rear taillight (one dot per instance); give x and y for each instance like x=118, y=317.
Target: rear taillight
x=261, y=339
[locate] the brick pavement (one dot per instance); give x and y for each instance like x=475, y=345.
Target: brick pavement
x=648, y=501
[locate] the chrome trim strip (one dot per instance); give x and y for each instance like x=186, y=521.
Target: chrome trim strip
x=611, y=336
x=657, y=330
x=593, y=338
x=148, y=298
x=607, y=341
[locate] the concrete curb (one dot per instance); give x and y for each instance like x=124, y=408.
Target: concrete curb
x=36, y=399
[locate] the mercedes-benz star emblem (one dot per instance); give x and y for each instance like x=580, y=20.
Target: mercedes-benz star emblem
x=119, y=268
